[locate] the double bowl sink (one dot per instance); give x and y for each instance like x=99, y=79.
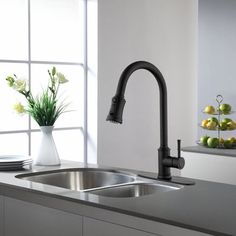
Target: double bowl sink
x=103, y=182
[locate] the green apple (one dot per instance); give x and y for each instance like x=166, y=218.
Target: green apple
x=223, y=125
x=212, y=142
x=203, y=140
x=232, y=140
x=211, y=125
x=227, y=144
x=225, y=108
x=226, y=120
x=213, y=119
x=209, y=110
x=231, y=125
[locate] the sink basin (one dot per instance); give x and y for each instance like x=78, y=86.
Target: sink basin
x=83, y=179
x=135, y=190
x=103, y=182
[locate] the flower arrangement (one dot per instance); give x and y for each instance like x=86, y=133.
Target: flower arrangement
x=45, y=108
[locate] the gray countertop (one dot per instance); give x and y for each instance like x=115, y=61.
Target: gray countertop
x=212, y=151
x=206, y=206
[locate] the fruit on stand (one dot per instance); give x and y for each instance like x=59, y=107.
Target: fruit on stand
x=225, y=108
x=213, y=119
x=232, y=140
x=212, y=142
x=227, y=124
x=203, y=140
x=227, y=144
x=218, y=123
x=215, y=142
x=211, y=125
x=204, y=123
x=226, y=120
x=209, y=110
x=223, y=125
x=231, y=125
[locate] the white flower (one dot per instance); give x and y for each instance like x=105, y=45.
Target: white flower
x=61, y=78
x=19, y=108
x=19, y=85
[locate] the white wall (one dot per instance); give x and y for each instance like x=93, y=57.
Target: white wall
x=162, y=32
x=92, y=81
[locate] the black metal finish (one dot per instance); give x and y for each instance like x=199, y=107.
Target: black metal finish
x=179, y=147
x=116, y=110
x=178, y=162
x=165, y=161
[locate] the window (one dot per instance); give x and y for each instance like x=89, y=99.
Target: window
x=35, y=36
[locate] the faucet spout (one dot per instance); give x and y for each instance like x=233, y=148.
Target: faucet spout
x=118, y=102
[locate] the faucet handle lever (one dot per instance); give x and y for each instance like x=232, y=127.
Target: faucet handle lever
x=176, y=162
x=179, y=147
x=179, y=162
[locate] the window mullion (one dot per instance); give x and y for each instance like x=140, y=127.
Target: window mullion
x=29, y=73
x=85, y=83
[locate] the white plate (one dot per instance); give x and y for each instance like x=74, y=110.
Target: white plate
x=3, y=164
x=12, y=168
x=14, y=158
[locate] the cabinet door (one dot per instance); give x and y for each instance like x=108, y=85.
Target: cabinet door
x=94, y=227
x=28, y=219
x=1, y=215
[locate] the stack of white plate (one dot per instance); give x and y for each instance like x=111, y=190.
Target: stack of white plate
x=14, y=162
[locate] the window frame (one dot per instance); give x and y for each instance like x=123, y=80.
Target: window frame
x=83, y=65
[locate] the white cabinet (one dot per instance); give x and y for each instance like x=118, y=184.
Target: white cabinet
x=209, y=167
x=28, y=219
x=20, y=218
x=94, y=227
x=1, y=215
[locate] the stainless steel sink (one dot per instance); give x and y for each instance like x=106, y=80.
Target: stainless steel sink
x=83, y=179
x=135, y=190
x=103, y=182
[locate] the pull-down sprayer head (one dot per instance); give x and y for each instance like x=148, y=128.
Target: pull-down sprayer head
x=116, y=110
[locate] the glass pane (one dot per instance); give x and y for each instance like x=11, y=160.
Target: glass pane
x=14, y=29
x=10, y=120
x=57, y=30
x=69, y=144
x=72, y=92
x=14, y=144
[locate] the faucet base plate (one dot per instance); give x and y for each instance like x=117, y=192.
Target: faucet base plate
x=174, y=179
x=181, y=180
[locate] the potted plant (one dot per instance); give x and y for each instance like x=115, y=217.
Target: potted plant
x=45, y=109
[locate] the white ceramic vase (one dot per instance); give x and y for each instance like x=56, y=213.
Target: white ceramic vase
x=47, y=153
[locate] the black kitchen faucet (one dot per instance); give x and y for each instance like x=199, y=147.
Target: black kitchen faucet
x=165, y=161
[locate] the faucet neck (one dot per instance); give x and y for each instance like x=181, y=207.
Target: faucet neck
x=163, y=170
x=162, y=88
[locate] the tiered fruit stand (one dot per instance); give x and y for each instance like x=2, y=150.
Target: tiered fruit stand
x=220, y=125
